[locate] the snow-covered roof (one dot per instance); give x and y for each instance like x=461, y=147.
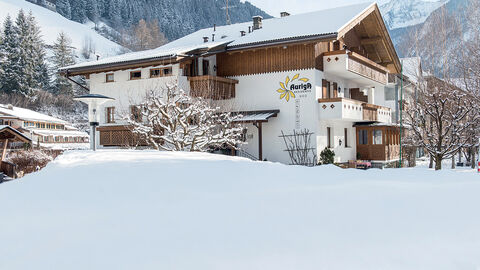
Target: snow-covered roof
x=301, y=26
x=27, y=115
x=64, y=133
x=18, y=133
x=256, y=116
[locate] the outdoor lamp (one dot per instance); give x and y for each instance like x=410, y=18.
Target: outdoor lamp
x=94, y=101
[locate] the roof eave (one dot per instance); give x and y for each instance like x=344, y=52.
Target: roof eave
x=283, y=41
x=115, y=65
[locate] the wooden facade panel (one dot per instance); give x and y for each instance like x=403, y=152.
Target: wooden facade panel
x=212, y=87
x=273, y=59
x=120, y=136
x=356, y=94
x=389, y=149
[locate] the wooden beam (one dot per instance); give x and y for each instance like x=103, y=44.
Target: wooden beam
x=260, y=142
x=5, y=143
x=371, y=41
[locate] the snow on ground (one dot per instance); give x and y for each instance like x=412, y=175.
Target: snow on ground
x=125, y=209
x=52, y=23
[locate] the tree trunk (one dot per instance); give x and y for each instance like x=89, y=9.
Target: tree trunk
x=430, y=165
x=438, y=163
x=453, y=161
x=474, y=161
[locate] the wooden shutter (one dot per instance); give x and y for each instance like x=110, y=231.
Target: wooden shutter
x=329, y=139
x=346, y=137
x=335, y=90
x=324, y=88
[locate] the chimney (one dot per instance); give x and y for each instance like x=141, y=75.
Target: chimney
x=257, y=22
x=284, y=14
x=214, y=27
x=249, y=29
x=213, y=37
x=242, y=33
x=205, y=39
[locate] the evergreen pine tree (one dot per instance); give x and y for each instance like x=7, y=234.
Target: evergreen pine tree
x=63, y=56
x=26, y=70
x=79, y=13
x=9, y=49
x=64, y=8
x=92, y=10
x=41, y=76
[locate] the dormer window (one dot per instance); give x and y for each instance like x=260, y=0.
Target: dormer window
x=136, y=75
x=109, y=77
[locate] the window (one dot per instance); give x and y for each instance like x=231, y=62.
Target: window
x=136, y=75
x=155, y=73
x=109, y=77
x=136, y=113
x=206, y=67
x=167, y=71
x=362, y=136
x=160, y=72
x=390, y=93
x=329, y=137
x=346, y=137
x=110, y=114
x=377, y=136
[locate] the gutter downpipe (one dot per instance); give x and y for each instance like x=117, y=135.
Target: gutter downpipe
x=401, y=112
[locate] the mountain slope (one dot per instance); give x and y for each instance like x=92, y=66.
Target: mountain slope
x=51, y=24
x=403, y=13
x=176, y=18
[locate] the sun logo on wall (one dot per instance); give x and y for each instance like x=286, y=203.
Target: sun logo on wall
x=287, y=87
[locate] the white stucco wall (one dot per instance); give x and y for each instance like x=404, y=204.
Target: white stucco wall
x=258, y=92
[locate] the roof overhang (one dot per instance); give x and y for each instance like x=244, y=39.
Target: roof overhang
x=146, y=62
x=374, y=37
x=7, y=132
x=255, y=116
x=284, y=41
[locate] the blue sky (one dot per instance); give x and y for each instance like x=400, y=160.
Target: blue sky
x=274, y=7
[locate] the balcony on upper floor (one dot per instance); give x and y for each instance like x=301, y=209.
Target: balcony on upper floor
x=355, y=67
x=353, y=110
x=212, y=87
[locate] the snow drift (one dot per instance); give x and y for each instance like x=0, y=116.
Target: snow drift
x=152, y=210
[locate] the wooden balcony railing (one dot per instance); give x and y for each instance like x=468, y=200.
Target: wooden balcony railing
x=212, y=87
x=375, y=112
x=363, y=66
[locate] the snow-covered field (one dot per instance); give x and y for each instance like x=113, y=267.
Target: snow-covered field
x=150, y=210
x=51, y=24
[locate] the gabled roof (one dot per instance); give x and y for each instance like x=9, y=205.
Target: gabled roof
x=11, y=133
x=323, y=24
x=27, y=115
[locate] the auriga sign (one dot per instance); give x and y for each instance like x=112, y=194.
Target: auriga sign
x=291, y=88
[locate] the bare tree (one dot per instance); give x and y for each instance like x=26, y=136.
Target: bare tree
x=299, y=147
x=169, y=119
x=440, y=119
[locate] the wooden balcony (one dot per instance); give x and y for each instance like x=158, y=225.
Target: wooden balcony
x=376, y=113
x=212, y=87
x=357, y=64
